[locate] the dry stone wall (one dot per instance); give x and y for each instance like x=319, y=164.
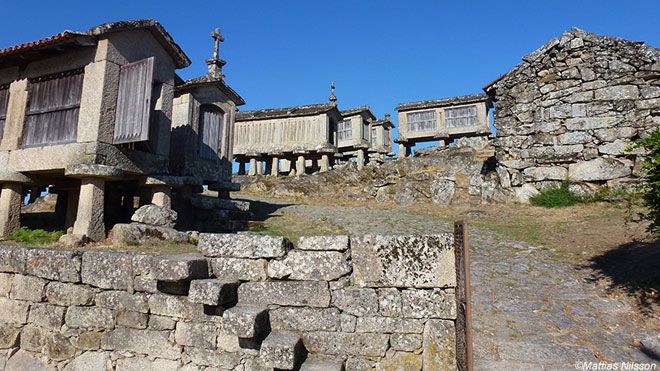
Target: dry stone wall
x=245, y=302
x=570, y=109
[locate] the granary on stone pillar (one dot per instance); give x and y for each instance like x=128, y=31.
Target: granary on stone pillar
x=88, y=116
x=380, y=139
x=353, y=134
x=443, y=121
x=203, y=124
x=291, y=138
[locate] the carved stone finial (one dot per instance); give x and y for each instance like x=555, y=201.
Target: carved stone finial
x=387, y=116
x=333, y=97
x=215, y=63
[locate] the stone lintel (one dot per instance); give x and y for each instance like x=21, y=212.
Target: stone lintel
x=172, y=181
x=300, y=152
x=225, y=186
x=14, y=177
x=93, y=171
x=327, y=150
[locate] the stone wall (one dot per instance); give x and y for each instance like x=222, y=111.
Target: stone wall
x=247, y=302
x=570, y=109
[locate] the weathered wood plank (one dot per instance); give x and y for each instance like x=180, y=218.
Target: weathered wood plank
x=134, y=102
x=52, y=114
x=210, y=123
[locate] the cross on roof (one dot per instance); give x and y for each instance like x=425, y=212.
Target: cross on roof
x=217, y=39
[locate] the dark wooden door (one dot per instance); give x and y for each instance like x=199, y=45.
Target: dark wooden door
x=210, y=130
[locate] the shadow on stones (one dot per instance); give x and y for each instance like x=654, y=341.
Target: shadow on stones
x=633, y=267
x=262, y=210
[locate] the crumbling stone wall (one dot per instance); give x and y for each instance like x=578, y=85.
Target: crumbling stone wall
x=247, y=302
x=569, y=110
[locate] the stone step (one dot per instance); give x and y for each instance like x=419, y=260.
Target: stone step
x=313, y=363
x=180, y=267
x=282, y=350
x=246, y=321
x=213, y=291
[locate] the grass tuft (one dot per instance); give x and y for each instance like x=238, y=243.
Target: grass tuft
x=35, y=236
x=557, y=197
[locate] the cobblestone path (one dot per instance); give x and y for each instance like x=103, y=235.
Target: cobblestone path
x=531, y=311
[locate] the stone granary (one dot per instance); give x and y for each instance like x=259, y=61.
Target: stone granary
x=304, y=135
x=353, y=134
x=569, y=110
x=91, y=117
x=362, y=136
x=443, y=120
x=380, y=144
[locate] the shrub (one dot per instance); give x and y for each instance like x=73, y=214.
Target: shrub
x=650, y=188
x=556, y=197
x=35, y=236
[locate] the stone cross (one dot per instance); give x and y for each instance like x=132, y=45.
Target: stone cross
x=217, y=39
x=215, y=64
x=333, y=97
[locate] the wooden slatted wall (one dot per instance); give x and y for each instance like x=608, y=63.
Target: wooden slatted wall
x=4, y=102
x=134, y=102
x=210, y=128
x=52, y=114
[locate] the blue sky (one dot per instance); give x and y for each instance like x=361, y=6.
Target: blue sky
x=379, y=53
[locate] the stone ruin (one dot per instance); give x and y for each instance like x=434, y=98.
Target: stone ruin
x=245, y=302
x=569, y=111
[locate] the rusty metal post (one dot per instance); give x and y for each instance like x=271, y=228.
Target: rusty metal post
x=463, y=297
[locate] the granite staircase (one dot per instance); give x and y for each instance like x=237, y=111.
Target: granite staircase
x=188, y=275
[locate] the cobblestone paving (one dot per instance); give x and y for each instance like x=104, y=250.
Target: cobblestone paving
x=531, y=311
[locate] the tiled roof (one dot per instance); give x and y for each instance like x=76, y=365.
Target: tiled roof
x=464, y=99
x=309, y=110
x=88, y=38
x=207, y=79
x=358, y=110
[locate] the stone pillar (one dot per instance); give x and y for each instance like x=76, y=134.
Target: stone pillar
x=71, y=207
x=18, y=95
x=89, y=220
x=324, y=163
x=260, y=167
x=442, y=143
x=275, y=166
x=360, y=159
x=402, y=150
x=161, y=196
x=300, y=165
x=10, y=208
x=241, y=167
x=253, y=167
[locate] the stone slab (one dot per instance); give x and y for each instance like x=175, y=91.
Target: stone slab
x=242, y=245
x=213, y=291
x=245, y=321
x=56, y=265
x=93, y=171
x=148, y=342
x=404, y=261
x=241, y=269
x=334, y=243
x=310, y=266
x=182, y=267
x=339, y=343
x=108, y=270
x=293, y=293
x=281, y=350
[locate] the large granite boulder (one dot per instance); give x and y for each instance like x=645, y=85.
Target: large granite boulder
x=154, y=215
